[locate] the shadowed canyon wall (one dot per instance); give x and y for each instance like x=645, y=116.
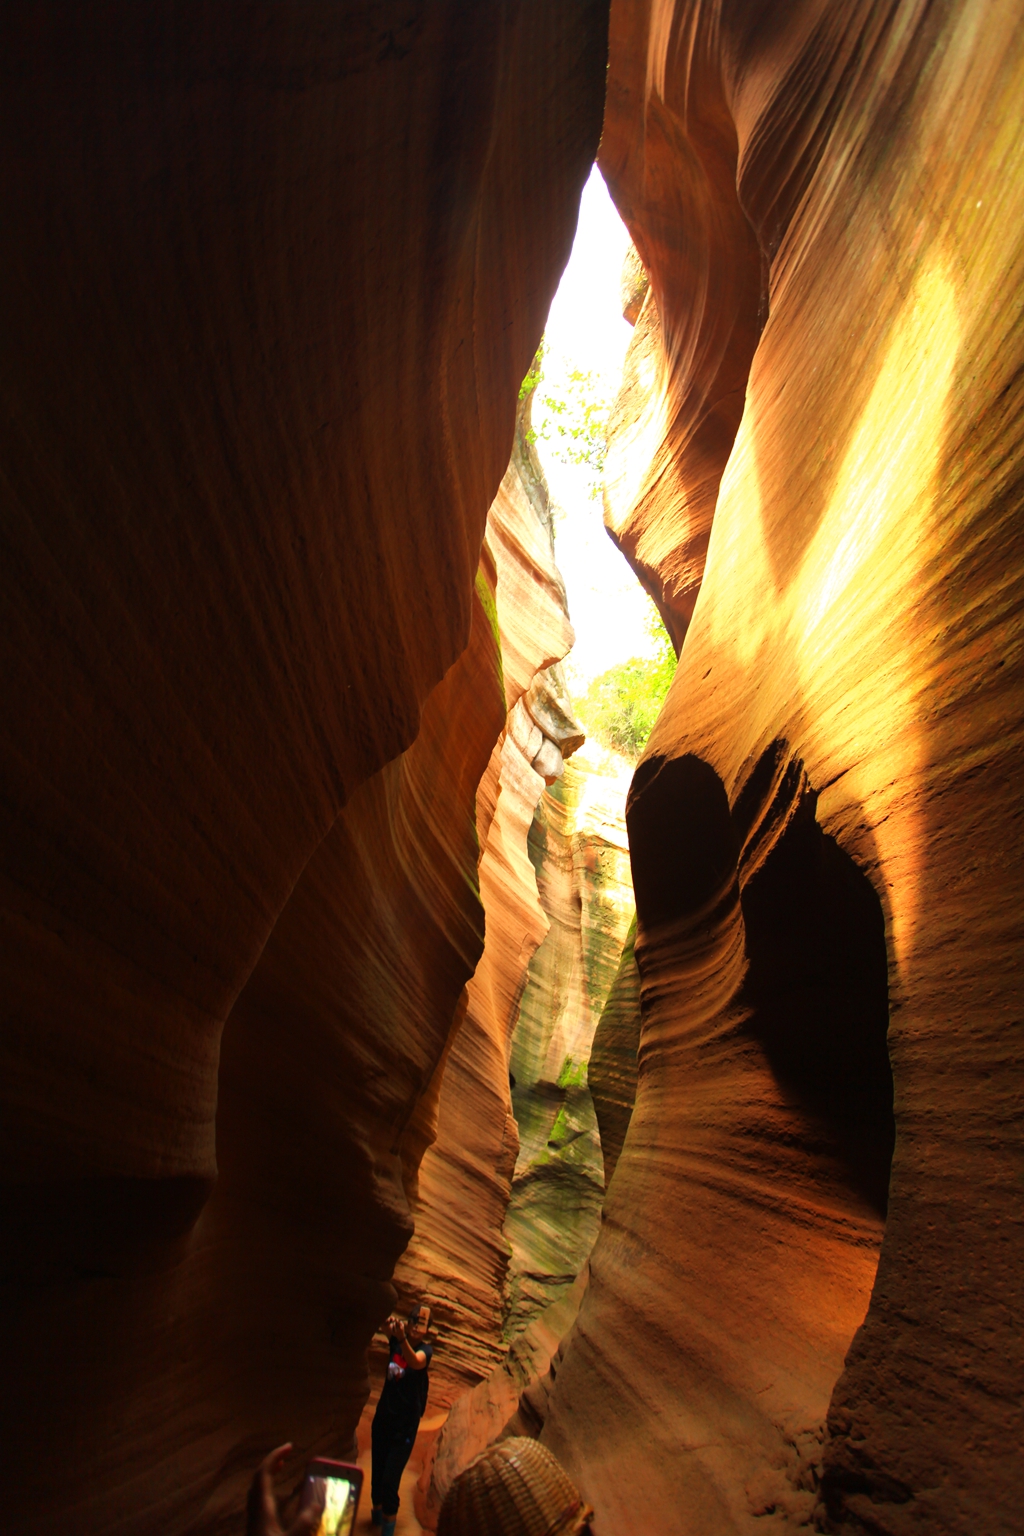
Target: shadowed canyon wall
x=817, y=471
x=272, y=747
x=271, y=279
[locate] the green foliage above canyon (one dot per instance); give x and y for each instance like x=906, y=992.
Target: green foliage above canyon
x=620, y=707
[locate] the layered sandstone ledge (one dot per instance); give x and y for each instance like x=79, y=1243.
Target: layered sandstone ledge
x=459, y=1256
x=578, y=873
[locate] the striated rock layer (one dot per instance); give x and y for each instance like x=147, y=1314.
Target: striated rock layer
x=578, y=875
x=825, y=828
x=579, y=850
x=271, y=279
x=253, y=1327
x=458, y=1258
x=612, y=1069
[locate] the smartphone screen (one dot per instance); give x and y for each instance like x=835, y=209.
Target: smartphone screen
x=335, y=1486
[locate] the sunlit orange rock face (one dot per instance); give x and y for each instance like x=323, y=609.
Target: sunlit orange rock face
x=271, y=279
x=825, y=828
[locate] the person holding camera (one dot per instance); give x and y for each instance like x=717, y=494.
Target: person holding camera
x=399, y=1410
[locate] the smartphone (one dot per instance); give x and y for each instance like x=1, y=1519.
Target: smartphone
x=335, y=1486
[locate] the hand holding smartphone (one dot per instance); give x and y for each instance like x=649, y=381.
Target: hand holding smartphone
x=334, y=1488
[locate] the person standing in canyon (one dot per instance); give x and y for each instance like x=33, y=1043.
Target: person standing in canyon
x=400, y=1407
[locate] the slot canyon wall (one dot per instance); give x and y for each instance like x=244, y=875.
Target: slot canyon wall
x=579, y=849
x=272, y=743
x=816, y=468
x=551, y=1202
x=508, y=1195
x=271, y=279
x=458, y=1257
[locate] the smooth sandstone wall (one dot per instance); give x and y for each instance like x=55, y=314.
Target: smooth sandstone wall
x=272, y=278
x=829, y=203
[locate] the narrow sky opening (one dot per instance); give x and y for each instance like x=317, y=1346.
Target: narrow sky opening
x=586, y=335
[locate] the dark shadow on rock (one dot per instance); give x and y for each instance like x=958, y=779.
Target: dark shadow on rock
x=683, y=845
x=817, y=982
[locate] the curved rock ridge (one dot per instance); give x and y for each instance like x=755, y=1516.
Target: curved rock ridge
x=612, y=1069
x=579, y=850
x=827, y=809
x=218, y=494
x=321, y=1121
x=577, y=847
x=272, y=278
x=669, y=156
x=510, y=1401
x=458, y=1257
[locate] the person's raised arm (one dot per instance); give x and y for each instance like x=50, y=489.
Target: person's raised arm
x=415, y=1359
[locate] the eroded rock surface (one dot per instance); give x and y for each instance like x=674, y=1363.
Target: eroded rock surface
x=272, y=278
x=579, y=850
x=612, y=1069
x=829, y=202
x=459, y=1256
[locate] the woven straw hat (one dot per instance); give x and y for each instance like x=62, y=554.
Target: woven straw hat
x=516, y=1488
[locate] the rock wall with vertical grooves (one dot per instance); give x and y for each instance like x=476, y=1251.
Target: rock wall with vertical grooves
x=612, y=1069
x=271, y=279
x=579, y=850
x=825, y=828
x=459, y=1256
x=550, y=1210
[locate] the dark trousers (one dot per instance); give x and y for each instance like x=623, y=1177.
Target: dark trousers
x=391, y=1447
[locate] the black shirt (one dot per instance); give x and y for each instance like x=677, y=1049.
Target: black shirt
x=404, y=1393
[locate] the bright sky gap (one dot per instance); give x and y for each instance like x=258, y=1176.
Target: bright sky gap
x=586, y=332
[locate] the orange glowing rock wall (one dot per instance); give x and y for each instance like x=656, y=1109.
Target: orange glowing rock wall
x=271, y=279
x=530, y=1233
x=830, y=203
x=459, y=1256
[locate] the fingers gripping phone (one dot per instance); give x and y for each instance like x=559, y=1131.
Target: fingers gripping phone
x=333, y=1487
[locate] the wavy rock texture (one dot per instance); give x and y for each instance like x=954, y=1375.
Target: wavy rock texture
x=499, y=1405
x=272, y=278
x=459, y=1256
x=612, y=1068
x=261, y=1323
x=579, y=850
x=828, y=807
